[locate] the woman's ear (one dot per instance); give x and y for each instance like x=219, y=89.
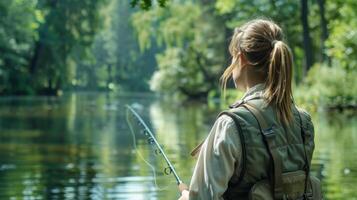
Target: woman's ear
x=242, y=60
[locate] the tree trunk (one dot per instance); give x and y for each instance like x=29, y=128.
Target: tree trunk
x=306, y=36
x=109, y=79
x=324, y=31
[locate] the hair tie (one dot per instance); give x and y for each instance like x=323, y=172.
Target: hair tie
x=273, y=43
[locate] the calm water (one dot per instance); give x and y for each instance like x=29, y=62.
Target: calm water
x=79, y=147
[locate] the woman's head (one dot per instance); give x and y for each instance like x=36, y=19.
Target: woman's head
x=259, y=54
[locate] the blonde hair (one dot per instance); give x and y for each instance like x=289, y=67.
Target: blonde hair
x=260, y=42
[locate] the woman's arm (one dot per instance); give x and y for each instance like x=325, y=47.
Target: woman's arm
x=219, y=156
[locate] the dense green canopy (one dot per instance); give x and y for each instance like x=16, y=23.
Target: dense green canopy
x=170, y=47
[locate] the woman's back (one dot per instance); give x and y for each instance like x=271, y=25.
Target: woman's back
x=288, y=142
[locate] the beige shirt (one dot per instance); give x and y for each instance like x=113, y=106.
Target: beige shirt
x=220, y=155
x=216, y=161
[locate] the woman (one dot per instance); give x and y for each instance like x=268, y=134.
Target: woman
x=239, y=151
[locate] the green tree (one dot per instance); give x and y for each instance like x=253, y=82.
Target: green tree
x=146, y=4
x=18, y=22
x=116, y=53
x=309, y=57
x=193, y=43
x=67, y=25
x=324, y=29
x=333, y=84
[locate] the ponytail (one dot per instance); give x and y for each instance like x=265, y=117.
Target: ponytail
x=278, y=90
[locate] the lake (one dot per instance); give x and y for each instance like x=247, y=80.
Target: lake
x=79, y=146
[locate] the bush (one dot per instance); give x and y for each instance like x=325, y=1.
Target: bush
x=328, y=87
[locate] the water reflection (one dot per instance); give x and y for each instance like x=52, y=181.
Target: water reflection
x=79, y=146
x=336, y=154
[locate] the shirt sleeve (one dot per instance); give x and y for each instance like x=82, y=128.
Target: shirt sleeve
x=219, y=156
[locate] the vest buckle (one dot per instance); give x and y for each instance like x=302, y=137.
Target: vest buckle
x=268, y=132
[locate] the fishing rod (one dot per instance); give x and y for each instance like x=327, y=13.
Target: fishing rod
x=152, y=140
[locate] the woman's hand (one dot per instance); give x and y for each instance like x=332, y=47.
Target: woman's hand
x=184, y=191
x=184, y=195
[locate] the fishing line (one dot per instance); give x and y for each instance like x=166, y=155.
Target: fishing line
x=141, y=156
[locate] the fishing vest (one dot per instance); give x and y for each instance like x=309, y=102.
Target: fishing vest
x=268, y=149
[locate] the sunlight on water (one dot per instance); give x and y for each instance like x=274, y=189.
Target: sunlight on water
x=79, y=147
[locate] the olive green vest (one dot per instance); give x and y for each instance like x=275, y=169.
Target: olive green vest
x=288, y=144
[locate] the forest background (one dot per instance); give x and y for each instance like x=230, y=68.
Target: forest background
x=176, y=48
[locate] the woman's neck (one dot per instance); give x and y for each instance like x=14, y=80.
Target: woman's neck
x=252, y=78
x=251, y=82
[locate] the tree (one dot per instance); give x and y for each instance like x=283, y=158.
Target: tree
x=115, y=60
x=306, y=36
x=68, y=24
x=324, y=31
x=146, y=4
x=193, y=47
x=18, y=22
x=334, y=85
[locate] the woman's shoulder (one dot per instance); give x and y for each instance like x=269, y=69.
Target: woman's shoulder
x=225, y=132
x=237, y=111
x=303, y=113
x=225, y=125
x=306, y=120
x=228, y=116
x=239, y=115
x=224, y=120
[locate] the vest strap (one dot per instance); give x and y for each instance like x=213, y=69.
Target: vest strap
x=241, y=137
x=269, y=138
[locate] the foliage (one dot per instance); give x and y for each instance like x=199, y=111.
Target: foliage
x=15, y=43
x=334, y=84
x=178, y=33
x=173, y=47
x=56, y=45
x=329, y=87
x=193, y=47
x=198, y=32
x=117, y=55
x=146, y=4
x=342, y=43
x=38, y=39
x=68, y=25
